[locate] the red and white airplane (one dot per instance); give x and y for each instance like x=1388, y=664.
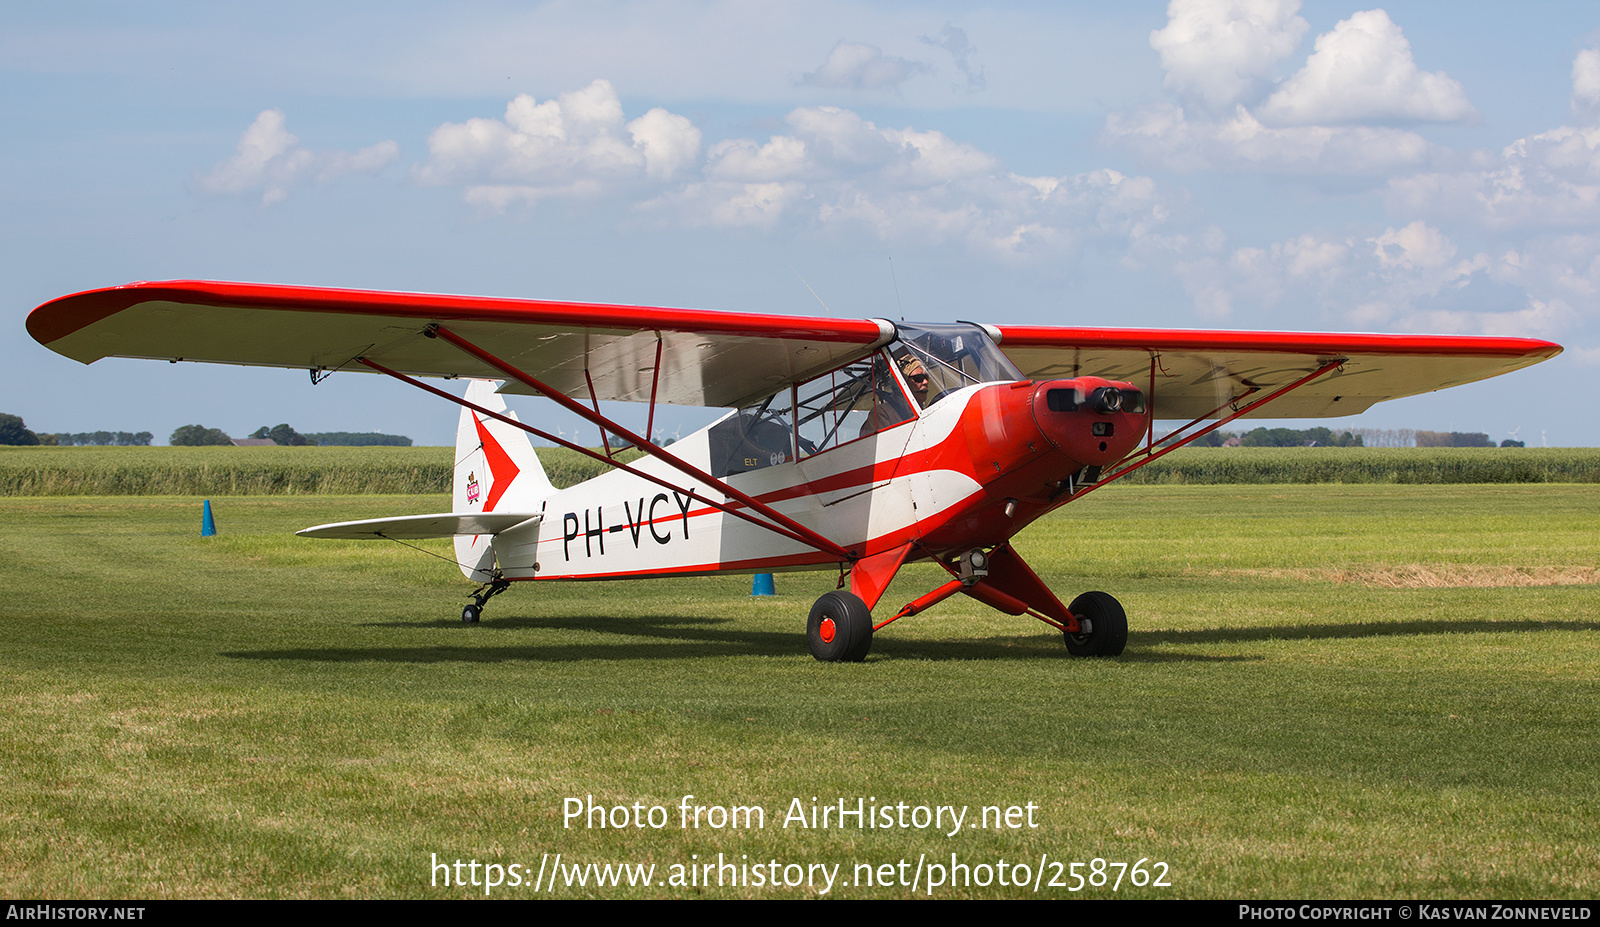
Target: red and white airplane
x=853, y=445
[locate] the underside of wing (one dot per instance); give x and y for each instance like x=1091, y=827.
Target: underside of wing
x=418, y=527
x=714, y=359
x=1195, y=374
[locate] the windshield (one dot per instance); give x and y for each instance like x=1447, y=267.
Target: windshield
x=937, y=359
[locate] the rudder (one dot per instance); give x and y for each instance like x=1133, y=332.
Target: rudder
x=496, y=470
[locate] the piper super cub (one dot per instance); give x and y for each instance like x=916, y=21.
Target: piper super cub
x=853, y=445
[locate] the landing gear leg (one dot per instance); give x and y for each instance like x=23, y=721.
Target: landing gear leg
x=471, y=613
x=840, y=628
x=1107, y=631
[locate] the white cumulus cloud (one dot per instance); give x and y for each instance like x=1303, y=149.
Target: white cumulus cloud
x=268, y=157
x=834, y=169
x=1363, y=71
x=1166, y=135
x=1407, y=278
x=1586, y=79
x=1217, y=52
x=828, y=168
x=1549, y=180
x=575, y=145
x=1335, y=116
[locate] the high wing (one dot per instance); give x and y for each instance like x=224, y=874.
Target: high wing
x=723, y=359
x=1193, y=374
x=716, y=359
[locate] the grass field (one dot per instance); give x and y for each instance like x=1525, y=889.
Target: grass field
x=1383, y=691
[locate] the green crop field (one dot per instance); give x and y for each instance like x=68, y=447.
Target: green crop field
x=1329, y=691
x=144, y=471
x=134, y=471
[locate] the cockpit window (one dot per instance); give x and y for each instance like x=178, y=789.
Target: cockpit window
x=755, y=437
x=852, y=402
x=859, y=399
x=939, y=359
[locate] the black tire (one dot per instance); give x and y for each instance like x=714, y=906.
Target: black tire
x=471, y=614
x=840, y=628
x=1108, y=625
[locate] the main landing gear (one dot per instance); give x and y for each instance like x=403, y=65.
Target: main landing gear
x=471, y=613
x=840, y=628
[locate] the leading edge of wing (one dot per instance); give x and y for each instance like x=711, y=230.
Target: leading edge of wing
x=65, y=315
x=1310, y=343
x=419, y=527
x=1196, y=373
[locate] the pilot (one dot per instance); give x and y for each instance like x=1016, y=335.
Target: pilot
x=917, y=378
x=889, y=405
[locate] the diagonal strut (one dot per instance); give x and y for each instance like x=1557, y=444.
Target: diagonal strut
x=720, y=506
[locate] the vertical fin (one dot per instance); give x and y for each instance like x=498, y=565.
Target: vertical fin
x=496, y=470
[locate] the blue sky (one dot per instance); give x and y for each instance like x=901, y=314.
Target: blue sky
x=1419, y=167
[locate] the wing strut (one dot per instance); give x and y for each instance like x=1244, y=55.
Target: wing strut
x=720, y=506
x=655, y=380
x=779, y=523
x=602, y=458
x=1150, y=457
x=795, y=529
x=1150, y=448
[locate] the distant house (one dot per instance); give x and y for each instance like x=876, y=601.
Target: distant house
x=253, y=442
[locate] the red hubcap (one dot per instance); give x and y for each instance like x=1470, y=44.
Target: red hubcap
x=826, y=631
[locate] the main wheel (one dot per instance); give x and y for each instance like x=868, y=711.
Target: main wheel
x=1108, y=626
x=471, y=614
x=840, y=628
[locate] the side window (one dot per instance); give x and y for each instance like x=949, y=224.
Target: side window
x=757, y=436
x=849, y=403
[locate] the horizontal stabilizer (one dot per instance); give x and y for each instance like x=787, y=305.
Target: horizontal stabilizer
x=416, y=527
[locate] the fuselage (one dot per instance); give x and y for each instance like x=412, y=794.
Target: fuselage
x=969, y=471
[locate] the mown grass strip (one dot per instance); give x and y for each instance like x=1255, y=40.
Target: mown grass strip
x=260, y=715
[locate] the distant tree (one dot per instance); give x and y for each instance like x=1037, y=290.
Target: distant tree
x=13, y=432
x=48, y=440
x=198, y=436
x=1273, y=437
x=1289, y=437
x=1510, y=443
x=357, y=439
x=283, y=435
x=100, y=438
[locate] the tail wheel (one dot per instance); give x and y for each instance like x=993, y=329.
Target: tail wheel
x=840, y=628
x=1108, y=626
x=471, y=614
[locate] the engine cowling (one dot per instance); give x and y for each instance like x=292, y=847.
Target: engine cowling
x=1093, y=421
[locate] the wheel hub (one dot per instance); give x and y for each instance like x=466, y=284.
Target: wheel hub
x=826, y=631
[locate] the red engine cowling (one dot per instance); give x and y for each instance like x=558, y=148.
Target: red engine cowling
x=1024, y=441
x=1095, y=422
